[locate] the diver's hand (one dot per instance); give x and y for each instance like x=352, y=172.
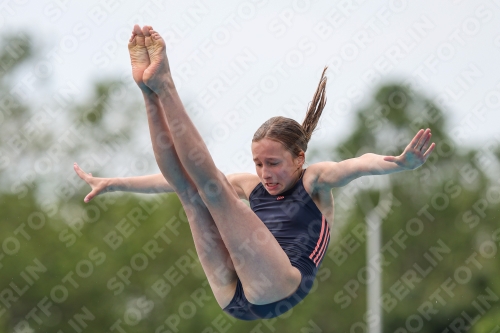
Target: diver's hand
x=98, y=185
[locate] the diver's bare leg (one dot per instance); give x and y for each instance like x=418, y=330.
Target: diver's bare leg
x=211, y=250
x=261, y=264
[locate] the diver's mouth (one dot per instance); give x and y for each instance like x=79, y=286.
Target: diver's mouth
x=271, y=186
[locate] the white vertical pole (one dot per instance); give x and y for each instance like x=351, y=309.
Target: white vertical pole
x=373, y=218
x=374, y=271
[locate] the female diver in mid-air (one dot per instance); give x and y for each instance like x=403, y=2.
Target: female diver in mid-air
x=260, y=261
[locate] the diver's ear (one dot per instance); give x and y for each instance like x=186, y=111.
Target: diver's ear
x=301, y=159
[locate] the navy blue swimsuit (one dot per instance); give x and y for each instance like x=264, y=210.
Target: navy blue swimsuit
x=302, y=232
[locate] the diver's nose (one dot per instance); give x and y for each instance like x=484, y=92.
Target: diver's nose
x=266, y=175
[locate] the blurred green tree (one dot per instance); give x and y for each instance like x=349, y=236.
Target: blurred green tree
x=439, y=237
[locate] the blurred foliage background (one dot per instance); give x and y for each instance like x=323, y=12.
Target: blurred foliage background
x=126, y=262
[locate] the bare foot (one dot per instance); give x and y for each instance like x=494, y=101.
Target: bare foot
x=139, y=56
x=158, y=72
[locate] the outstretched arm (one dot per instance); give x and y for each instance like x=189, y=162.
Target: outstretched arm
x=243, y=183
x=331, y=174
x=141, y=184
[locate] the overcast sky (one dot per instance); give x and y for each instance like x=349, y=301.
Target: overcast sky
x=238, y=63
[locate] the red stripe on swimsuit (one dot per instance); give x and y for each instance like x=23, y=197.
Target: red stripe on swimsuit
x=323, y=239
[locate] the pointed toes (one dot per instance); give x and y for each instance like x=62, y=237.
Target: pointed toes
x=145, y=31
x=137, y=30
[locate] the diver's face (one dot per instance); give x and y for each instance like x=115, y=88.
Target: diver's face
x=277, y=169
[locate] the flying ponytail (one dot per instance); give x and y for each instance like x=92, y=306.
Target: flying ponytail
x=316, y=107
x=290, y=133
